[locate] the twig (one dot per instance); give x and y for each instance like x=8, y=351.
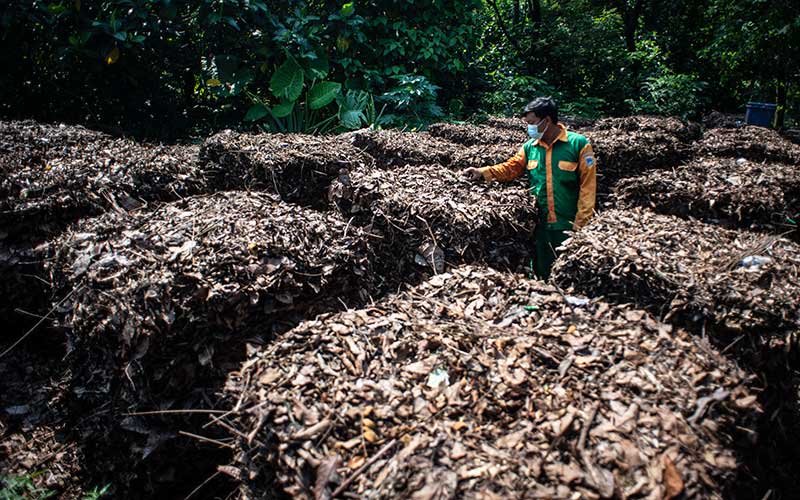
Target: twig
x=435, y=244
x=206, y=439
x=160, y=412
x=34, y=327
x=586, y=425
x=364, y=467
x=215, y=474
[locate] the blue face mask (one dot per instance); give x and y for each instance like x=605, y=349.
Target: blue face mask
x=533, y=131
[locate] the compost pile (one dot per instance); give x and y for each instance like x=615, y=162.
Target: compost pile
x=155, y=295
x=33, y=434
x=756, y=144
x=297, y=167
x=684, y=131
x=630, y=146
x=23, y=286
x=471, y=135
x=715, y=119
x=429, y=216
x=479, y=384
x=734, y=191
x=392, y=148
x=688, y=271
x=55, y=174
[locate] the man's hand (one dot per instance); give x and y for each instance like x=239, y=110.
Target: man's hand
x=472, y=173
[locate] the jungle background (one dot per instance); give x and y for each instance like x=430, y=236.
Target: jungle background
x=169, y=68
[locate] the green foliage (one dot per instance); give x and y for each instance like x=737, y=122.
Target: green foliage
x=513, y=92
x=169, y=67
x=97, y=493
x=584, y=107
x=287, y=82
x=22, y=488
x=412, y=102
x=670, y=94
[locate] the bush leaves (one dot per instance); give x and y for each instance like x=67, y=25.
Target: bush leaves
x=322, y=94
x=287, y=82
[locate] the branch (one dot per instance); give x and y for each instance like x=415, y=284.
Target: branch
x=502, y=25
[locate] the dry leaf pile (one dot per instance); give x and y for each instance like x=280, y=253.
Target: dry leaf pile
x=715, y=119
x=34, y=436
x=297, y=167
x=511, y=124
x=56, y=174
x=392, y=148
x=478, y=384
x=23, y=286
x=429, y=217
x=757, y=144
x=517, y=124
x=733, y=191
x=684, y=131
x=686, y=270
x=471, y=135
x=631, y=146
x=156, y=295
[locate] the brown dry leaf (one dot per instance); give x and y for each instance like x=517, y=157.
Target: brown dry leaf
x=673, y=483
x=370, y=436
x=356, y=462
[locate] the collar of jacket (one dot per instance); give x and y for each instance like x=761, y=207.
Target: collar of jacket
x=561, y=137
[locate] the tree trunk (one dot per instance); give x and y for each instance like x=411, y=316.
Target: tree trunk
x=535, y=11
x=630, y=17
x=502, y=26
x=780, y=113
x=515, y=4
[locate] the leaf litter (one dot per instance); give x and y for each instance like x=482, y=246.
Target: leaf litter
x=136, y=266
x=541, y=399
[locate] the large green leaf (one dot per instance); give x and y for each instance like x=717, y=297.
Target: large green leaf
x=287, y=82
x=318, y=67
x=323, y=94
x=352, y=118
x=256, y=112
x=282, y=110
x=351, y=108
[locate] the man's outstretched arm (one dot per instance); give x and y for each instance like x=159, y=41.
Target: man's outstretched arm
x=503, y=172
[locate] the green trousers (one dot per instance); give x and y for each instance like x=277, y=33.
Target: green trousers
x=547, y=240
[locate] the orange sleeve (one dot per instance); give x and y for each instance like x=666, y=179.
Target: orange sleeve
x=506, y=171
x=587, y=169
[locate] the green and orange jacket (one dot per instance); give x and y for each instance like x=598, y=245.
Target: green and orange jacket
x=562, y=176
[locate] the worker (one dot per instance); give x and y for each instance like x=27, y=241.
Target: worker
x=561, y=169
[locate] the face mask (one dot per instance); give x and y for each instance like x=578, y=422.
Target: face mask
x=533, y=131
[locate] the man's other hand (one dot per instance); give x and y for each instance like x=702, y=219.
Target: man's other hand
x=472, y=173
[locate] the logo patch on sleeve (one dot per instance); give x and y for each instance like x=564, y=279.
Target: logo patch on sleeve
x=589, y=161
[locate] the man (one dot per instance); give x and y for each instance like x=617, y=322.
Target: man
x=561, y=170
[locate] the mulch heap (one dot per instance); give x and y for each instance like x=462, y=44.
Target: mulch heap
x=692, y=273
x=715, y=119
x=392, y=148
x=24, y=286
x=633, y=145
x=155, y=296
x=753, y=143
x=471, y=135
x=297, y=167
x=478, y=384
x=736, y=192
x=429, y=217
x=56, y=174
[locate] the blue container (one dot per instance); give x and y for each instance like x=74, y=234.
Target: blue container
x=760, y=113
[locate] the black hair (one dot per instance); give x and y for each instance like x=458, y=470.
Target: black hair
x=542, y=107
